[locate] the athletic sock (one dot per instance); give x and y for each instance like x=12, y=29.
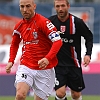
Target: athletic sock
x=64, y=98
x=80, y=98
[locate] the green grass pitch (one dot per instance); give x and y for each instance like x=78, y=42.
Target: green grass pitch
x=52, y=98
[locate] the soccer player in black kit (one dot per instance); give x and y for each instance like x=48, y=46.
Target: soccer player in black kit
x=69, y=71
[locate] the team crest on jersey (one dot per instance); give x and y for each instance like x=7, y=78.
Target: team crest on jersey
x=62, y=28
x=35, y=35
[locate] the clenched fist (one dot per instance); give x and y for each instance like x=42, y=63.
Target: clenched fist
x=86, y=60
x=43, y=63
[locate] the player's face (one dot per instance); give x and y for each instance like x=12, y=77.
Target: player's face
x=27, y=8
x=61, y=7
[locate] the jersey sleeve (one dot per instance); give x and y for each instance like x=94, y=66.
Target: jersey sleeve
x=54, y=49
x=14, y=45
x=51, y=32
x=88, y=36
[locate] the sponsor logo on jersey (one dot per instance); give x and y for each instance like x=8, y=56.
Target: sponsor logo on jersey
x=67, y=40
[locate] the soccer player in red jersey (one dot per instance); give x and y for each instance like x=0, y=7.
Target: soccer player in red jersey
x=41, y=43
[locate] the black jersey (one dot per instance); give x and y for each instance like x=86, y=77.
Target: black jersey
x=73, y=28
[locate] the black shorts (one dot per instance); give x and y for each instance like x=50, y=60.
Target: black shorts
x=69, y=76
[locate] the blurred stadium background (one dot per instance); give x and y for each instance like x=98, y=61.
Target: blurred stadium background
x=88, y=10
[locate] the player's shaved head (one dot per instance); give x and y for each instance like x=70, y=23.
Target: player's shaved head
x=31, y=1
x=27, y=8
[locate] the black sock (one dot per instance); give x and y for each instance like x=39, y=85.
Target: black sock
x=65, y=98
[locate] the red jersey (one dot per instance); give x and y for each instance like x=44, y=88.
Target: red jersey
x=40, y=39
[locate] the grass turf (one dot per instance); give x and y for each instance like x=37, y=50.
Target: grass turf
x=52, y=98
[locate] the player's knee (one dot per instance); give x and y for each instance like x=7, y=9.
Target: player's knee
x=20, y=96
x=76, y=95
x=60, y=94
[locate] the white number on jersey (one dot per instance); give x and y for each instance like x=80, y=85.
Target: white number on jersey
x=50, y=25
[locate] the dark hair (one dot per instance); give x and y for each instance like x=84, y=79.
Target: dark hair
x=65, y=0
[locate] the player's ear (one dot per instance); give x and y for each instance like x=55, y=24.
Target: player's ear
x=34, y=6
x=68, y=6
